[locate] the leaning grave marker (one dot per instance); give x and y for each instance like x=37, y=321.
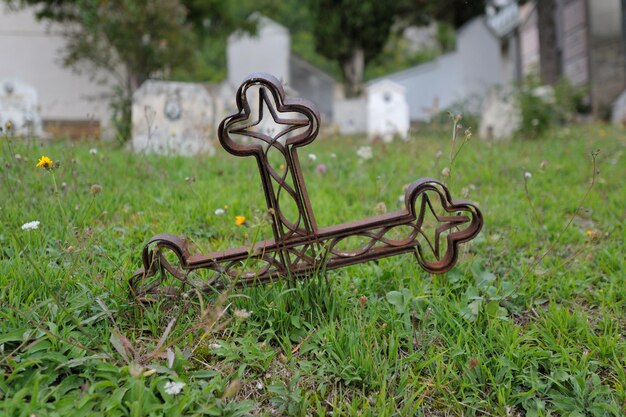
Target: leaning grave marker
x=300, y=248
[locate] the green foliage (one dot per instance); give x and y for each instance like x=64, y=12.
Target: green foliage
x=351, y=33
x=507, y=332
x=122, y=43
x=543, y=107
x=446, y=36
x=397, y=55
x=121, y=114
x=355, y=33
x=213, y=21
x=339, y=27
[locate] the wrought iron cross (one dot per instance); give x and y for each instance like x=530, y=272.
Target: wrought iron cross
x=300, y=248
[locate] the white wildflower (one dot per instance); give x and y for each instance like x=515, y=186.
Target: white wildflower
x=241, y=314
x=219, y=212
x=174, y=388
x=93, y=151
x=333, y=155
x=365, y=153
x=401, y=198
x=445, y=172
x=31, y=225
x=528, y=175
x=312, y=156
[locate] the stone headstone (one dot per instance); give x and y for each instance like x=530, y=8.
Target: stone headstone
x=268, y=50
x=351, y=115
x=618, y=113
x=19, y=105
x=501, y=115
x=176, y=118
x=387, y=111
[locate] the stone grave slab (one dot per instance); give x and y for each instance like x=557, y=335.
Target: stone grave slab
x=175, y=118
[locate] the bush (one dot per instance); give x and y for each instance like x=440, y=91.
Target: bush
x=543, y=106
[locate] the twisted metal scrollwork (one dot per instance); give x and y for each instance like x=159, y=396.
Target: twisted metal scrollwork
x=300, y=247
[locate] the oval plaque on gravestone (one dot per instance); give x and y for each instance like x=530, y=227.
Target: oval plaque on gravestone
x=172, y=108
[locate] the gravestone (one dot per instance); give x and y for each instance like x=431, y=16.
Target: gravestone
x=19, y=106
x=175, y=118
x=350, y=115
x=267, y=50
x=387, y=111
x=501, y=115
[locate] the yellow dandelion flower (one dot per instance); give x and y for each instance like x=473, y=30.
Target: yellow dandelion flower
x=45, y=162
x=239, y=220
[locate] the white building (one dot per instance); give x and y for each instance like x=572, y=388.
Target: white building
x=69, y=103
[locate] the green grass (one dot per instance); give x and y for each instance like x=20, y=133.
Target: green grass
x=506, y=333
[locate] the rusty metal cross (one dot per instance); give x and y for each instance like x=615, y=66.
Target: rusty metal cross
x=300, y=248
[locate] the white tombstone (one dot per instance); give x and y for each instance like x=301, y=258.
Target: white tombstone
x=266, y=51
x=175, y=118
x=387, y=111
x=19, y=105
x=501, y=115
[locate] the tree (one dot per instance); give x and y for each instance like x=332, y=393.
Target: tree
x=213, y=21
x=549, y=56
x=455, y=12
x=353, y=32
x=130, y=41
x=123, y=41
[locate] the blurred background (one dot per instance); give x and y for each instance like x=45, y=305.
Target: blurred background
x=119, y=68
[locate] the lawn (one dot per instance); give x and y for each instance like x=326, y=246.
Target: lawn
x=531, y=322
